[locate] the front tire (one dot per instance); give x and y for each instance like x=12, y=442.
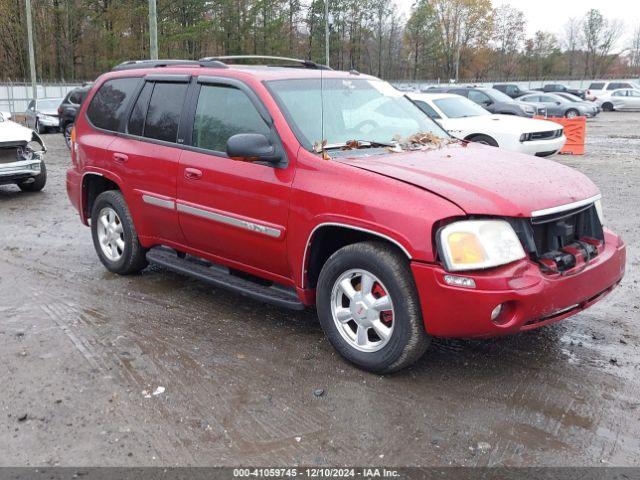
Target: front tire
x=484, y=140
x=38, y=183
x=607, y=107
x=369, y=309
x=114, y=235
x=571, y=113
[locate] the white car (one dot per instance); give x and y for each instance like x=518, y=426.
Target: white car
x=622, y=99
x=464, y=119
x=21, y=157
x=599, y=89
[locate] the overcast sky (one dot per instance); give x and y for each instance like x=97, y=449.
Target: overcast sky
x=550, y=15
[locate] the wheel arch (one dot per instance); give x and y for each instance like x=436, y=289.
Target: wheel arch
x=93, y=184
x=327, y=238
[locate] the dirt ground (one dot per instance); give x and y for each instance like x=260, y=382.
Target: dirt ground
x=82, y=353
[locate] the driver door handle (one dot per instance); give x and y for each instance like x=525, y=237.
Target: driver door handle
x=192, y=173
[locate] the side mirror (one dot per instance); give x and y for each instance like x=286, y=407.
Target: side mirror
x=251, y=147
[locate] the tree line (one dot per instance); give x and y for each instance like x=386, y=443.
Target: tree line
x=438, y=39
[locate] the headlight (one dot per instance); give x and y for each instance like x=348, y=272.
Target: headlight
x=529, y=110
x=598, y=205
x=479, y=244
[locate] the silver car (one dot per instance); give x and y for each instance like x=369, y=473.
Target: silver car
x=622, y=99
x=558, y=106
x=575, y=99
x=42, y=114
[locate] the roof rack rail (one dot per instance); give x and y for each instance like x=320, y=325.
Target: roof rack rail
x=134, y=64
x=303, y=63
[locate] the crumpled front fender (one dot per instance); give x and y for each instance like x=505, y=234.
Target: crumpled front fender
x=37, y=138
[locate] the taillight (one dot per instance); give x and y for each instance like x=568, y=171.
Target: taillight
x=73, y=135
x=59, y=110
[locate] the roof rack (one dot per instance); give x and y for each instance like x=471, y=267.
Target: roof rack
x=303, y=63
x=134, y=64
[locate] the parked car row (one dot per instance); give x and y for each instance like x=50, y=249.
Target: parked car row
x=55, y=114
x=607, y=96
x=466, y=120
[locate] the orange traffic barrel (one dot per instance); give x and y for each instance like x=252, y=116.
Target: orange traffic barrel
x=575, y=129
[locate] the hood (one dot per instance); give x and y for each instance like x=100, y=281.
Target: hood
x=13, y=133
x=51, y=113
x=483, y=180
x=502, y=124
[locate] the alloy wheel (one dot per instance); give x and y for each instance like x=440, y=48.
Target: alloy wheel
x=362, y=310
x=110, y=234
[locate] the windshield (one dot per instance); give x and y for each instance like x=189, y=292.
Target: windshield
x=570, y=97
x=500, y=97
x=354, y=109
x=460, y=107
x=49, y=104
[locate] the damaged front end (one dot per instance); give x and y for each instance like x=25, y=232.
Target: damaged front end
x=21, y=159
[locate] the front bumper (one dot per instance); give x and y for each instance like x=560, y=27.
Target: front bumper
x=535, y=147
x=531, y=299
x=49, y=122
x=19, y=170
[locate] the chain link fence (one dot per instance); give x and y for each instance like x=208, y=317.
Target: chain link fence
x=15, y=96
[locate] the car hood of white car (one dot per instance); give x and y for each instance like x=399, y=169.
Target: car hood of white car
x=13, y=133
x=500, y=124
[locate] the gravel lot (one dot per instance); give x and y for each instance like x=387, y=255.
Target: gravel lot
x=82, y=352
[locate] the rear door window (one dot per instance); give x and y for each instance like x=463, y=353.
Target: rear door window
x=596, y=86
x=479, y=97
x=222, y=112
x=75, y=98
x=136, y=120
x=164, y=111
x=109, y=105
x=617, y=85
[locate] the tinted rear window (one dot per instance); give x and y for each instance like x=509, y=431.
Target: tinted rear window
x=165, y=109
x=136, y=121
x=76, y=97
x=108, y=106
x=596, y=86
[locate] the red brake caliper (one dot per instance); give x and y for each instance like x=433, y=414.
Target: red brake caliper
x=386, y=317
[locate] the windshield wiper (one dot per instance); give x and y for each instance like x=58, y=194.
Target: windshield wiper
x=353, y=145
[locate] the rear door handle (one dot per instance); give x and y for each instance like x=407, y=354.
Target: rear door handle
x=192, y=173
x=120, y=157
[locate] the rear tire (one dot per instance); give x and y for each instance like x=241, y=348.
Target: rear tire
x=388, y=312
x=484, y=140
x=38, y=183
x=607, y=107
x=114, y=235
x=67, y=135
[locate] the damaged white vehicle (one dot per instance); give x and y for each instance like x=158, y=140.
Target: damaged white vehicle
x=21, y=157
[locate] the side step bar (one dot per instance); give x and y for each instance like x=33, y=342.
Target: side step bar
x=220, y=276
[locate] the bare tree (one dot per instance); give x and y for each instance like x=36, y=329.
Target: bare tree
x=634, y=59
x=600, y=36
x=509, y=26
x=572, y=42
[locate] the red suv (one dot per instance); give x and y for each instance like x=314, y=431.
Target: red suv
x=306, y=186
